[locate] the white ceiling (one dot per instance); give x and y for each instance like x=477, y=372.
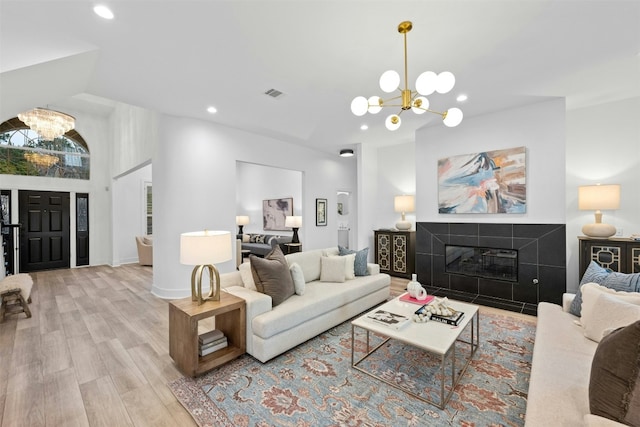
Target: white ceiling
x=178, y=57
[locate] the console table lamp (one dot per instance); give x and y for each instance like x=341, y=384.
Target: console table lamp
x=294, y=222
x=597, y=197
x=241, y=221
x=404, y=204
x=203, y=249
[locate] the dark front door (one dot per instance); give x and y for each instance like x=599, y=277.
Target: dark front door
x=44, y=231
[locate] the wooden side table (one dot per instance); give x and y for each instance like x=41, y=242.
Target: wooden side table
x=184, y=314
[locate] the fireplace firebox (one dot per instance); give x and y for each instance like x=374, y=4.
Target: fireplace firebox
x=490, y=263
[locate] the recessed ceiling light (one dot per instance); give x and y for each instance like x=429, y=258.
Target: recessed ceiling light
x=103, y=11
x=364, y=127
x=461, y=98
x=346, y=152
x=212, y=110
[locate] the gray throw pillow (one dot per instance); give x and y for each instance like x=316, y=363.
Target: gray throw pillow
x=360, y=264
x=607, y=278
x=272, y=277
x=614, y=384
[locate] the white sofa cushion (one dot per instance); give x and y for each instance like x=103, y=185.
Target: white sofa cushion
x=247, y=276
x=319, y=298
x=309, y=261
x=605, y=309
x=332, y=269
x=608, y=314
x=298, y=278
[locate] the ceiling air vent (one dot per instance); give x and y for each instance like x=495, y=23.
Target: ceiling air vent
x=274, y=93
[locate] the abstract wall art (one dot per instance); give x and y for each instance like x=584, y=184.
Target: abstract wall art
x=489, y=182
x=275, y=212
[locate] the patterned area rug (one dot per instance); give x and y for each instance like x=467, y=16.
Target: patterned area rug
x=314, y=384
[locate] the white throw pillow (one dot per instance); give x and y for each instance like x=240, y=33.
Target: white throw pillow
x=298, y=278
x=333, y=269
x=593, y=290
x=607, y=312
x=330, y=252
x=247, y=276
x=349, y=266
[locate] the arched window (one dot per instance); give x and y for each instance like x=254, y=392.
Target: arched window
x=23, y=152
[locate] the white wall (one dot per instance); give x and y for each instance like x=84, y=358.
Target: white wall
x=255, y=183
x=603, y=146
x=194, y=189
x=129, y=213
x=396, y=176
x=134, y=134
x=539, y=127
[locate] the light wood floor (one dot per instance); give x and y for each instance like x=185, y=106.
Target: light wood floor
x=95, y=352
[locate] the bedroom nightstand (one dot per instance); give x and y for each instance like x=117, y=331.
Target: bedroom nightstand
x=184, y=314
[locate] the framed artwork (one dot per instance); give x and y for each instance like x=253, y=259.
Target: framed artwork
x=274, y=213
x=321, y=212
x=490, y=182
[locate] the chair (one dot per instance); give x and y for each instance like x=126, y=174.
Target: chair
x=145, y=249
x=15, y=293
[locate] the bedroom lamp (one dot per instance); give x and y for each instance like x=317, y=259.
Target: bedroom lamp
x=597, y=197
x=404, y=204
x=203, y=249
x=295, y=222
x=241, y=221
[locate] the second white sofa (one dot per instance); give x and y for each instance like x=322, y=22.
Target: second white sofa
x=273, y=330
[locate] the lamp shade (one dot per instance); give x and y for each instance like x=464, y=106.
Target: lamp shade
x=404, y=204
x=242, y=220
x=599, y=197
x=205, y=247
x=293, y=221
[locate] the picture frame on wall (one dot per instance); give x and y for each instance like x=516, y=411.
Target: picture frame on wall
x=275, y=212
x=321, y=212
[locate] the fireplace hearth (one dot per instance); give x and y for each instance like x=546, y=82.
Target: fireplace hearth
x=508, y=266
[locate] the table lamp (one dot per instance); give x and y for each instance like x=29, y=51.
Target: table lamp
x=597, y=197
x=404, y=204
x=294, y=222
x=203, y=249
x=241, y=221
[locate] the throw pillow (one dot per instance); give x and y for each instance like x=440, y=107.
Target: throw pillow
x=247, y=276
x=246, y=238
x=350, y=266
x=272, y=277
x=332, y=269
x=614, y=386
x=330, y=252
x=298, y=278
x=604, y=277
x=608, y=313
x=360, y=264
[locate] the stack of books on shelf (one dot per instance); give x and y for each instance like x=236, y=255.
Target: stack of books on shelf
x=211, y=341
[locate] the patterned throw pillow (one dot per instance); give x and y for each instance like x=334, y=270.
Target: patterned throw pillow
x=360, y=264
x=605, y=277
x=614, y=384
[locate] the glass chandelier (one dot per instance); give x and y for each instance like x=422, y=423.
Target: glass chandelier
x=49, y=124
x=426, y=83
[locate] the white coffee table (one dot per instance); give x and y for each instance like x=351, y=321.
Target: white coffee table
x=434, y=337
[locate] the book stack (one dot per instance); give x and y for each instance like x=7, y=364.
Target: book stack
x=454, y=319
x=211, y=341
x=391, y=320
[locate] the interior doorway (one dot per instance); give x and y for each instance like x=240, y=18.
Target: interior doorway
x=344, y=212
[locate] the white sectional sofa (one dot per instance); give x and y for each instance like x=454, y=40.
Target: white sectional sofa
x=561, y=365
x=323, y=305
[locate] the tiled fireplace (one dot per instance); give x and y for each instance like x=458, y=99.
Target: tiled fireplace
x=508, y=266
